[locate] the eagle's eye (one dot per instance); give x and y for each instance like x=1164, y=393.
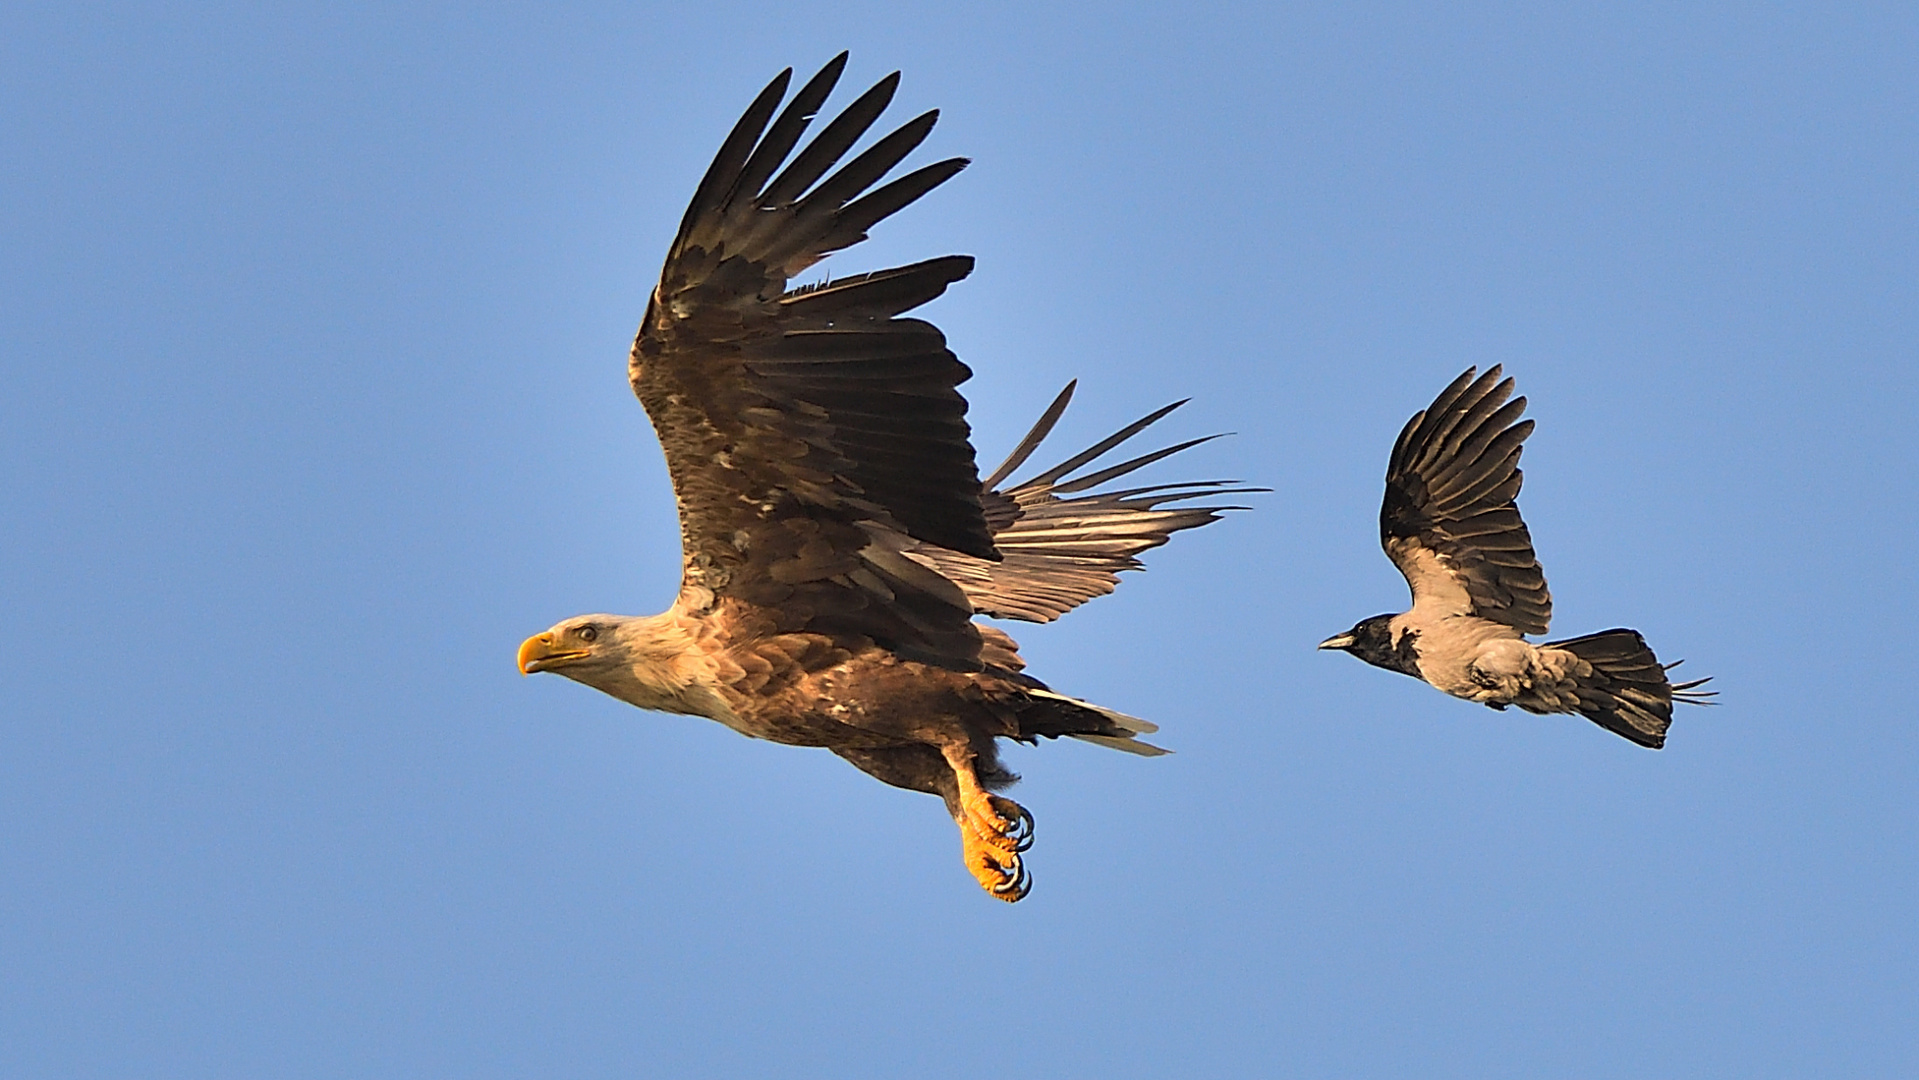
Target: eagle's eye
x=588, y=632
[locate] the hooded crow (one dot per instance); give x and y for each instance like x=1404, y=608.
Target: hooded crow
x=1451, y=525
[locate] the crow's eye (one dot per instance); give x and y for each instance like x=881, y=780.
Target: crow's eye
x=587, y=633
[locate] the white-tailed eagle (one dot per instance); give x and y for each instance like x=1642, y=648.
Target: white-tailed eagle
x=838, y=540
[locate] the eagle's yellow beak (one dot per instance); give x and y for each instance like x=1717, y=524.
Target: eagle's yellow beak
x=538, y=654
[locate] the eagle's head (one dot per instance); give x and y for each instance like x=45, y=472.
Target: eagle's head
x=648, y=662
x=575, y=648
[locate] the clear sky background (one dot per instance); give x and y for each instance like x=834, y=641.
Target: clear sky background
x=314, y=324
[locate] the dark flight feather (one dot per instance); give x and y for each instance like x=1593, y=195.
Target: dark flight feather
x=1058, y=553
x=785, y=133
x=818, y=419
x=825, y=150
x=1451, y=488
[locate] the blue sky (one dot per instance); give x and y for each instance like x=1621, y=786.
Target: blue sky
x=314, y=324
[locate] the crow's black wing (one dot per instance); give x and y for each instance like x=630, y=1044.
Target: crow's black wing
x=1450, y=521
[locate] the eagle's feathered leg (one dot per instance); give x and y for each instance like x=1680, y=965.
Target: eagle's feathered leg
x=993, y=830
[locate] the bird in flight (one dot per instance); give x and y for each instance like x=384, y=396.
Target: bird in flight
x=1451, y=524
x=837, y=539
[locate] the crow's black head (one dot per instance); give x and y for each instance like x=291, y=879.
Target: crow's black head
x=1372, y=641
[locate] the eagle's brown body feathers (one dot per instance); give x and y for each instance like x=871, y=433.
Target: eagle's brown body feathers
x=837, y=539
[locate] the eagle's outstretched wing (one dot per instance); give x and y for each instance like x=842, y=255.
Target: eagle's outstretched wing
x=813, y=435
x=1450, y=522
x=1061, y=548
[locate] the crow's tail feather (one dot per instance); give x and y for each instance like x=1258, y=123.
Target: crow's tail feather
x=1627, y=692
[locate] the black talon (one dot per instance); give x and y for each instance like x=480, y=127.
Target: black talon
x=1022, y=831
x=1020, y=884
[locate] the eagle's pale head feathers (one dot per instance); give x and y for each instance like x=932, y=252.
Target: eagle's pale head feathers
x=645, y=661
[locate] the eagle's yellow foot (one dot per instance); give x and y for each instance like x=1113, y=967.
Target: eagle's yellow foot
x=998, y=822
x=996, y=867
x=993, y=831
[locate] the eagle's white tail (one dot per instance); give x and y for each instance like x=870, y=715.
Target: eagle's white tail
x=1123, y=730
